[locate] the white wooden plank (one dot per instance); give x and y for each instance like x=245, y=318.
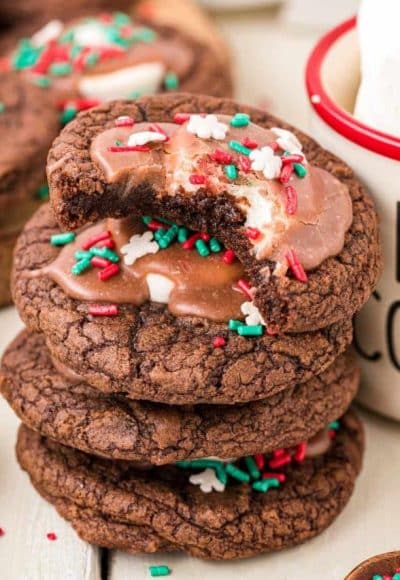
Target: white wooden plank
x=368, y=526
x=25, y=551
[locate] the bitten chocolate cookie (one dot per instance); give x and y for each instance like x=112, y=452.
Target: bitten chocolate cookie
x=28, y=125
x=147, y=351
x=296, y=217
x=247, y=516
x=89, y=60
x=67, y=410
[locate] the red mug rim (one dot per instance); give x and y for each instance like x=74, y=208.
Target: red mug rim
x=336, y=117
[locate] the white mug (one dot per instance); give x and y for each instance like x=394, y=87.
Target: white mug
x=332, y=79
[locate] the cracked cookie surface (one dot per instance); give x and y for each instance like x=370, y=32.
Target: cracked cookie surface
x=146, y=353
x=77, y=415
x=235, y=524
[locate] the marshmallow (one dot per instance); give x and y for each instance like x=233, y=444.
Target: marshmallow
x=378, y=99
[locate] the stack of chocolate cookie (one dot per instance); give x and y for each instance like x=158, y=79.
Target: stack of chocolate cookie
x=185, y=379
x=67, y=67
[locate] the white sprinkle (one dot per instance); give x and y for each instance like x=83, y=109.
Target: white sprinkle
x=50, y=31
x=139, y=245
x=207, y=127
x=253, y=315
x=264, y=160
x=207, y=480
x=144, y=137
x=287, y=141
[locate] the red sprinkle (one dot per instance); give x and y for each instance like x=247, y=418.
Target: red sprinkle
x=286, y=173
x=181, y=118
x=228, y=256
x=244, y=163
x=95, y=239
x=300, y=453
x=291, y=159
x=128, y=148
x=222, y=157
x=279, y=452
x=51, y=536
x=296, y=267
x=245, y=288
x=109, y=272
x=278, y=462
x=98, y=262
x=281, y=477
x=271, y=331
x=197, y=179
x=2, y=532
x=291, y=199
x=253, y=233
x=155, y=225
x=274, y=145
x=46, y=59
x=103, y=310
x=190, y=242
x=79, y=104
x=331, y=433
x=156, y=128
x=205, y=237
x=124, y=122
x=219, y=341
x=110, y=244
x=249, y=143
x=259, y=458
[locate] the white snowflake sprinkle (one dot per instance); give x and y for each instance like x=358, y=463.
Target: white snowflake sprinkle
x=207, y=480
x=207, y=127
x=287, y=141
x=139, y=245
x=50, y=31
x=264, y=160
x=144, y=137
x=253, y=315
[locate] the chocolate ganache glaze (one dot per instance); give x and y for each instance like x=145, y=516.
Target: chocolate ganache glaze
x=314, y=228
x=199, y=286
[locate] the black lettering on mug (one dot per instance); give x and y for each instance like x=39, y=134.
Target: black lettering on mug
x=390, y=333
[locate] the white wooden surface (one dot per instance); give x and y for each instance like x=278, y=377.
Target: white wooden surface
x=270, y=60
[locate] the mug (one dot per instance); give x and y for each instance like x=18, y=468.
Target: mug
x=332, y=80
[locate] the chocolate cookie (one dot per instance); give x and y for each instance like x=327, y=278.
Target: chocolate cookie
x=381, y=567
x=90, y=60
x=148, y=353
x=296, y=217
x=239, y=522
x=66, y=409
x=28, y=125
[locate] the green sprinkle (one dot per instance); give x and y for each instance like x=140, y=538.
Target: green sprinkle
x=252, y=467
x=240, y=120
x=396, y=576
x=164, y=221
x=143, y=35
x=118, y=143
x=159, y=571
x=43, y=191
x=221, y=474
x=26, y=55
x=184, y=464
x=377, y=577
x=42, y=81
x=206, y=463
x=235, y=324
x=202, y=248
x=68, y=114
x=62, y=239
x=68, y=37
x=75, y=51
x=80, y=267
x=239, y=148
x=60, y=69
x=215, y=246
x=121, y=19
x=105, y=253
x=230, y=171
x=168, y=237
x=265, y=484
x=256, y=330
x=183, y=234
x=91, y=59
x=82, y=255
x=146, y=219
x=159, y=234
x=334, y=425
x=237, y=473
x=300, y=170
x=2, y=107
x=134, y=95
x=171, y=81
